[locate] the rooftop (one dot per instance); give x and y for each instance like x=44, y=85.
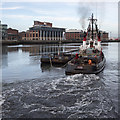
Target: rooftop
x=74, y=30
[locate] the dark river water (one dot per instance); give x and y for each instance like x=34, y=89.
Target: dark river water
x=34, y=90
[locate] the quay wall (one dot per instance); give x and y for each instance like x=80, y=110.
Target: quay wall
x=25, y=42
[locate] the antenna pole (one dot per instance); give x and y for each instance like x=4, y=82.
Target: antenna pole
x=96, y=10
x=92, y=26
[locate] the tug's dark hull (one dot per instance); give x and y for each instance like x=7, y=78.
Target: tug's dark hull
x=85, y=69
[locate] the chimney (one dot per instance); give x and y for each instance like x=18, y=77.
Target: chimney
x=84, y=40
x=99, y=40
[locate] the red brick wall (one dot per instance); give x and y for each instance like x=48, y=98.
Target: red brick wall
x=38, y=23
x=21, y=34
x=42, y=23
x=49, y=24
x=12, y=31
x=73, y=35
x=12, y=34
x=105, y=35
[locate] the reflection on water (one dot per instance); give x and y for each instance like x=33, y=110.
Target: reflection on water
x=4, y=56
x=35, y=90
x=45, y=67
x=22, y=62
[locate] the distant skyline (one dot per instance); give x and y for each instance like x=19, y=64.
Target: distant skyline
x=21, y=15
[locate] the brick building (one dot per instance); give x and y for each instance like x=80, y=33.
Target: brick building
x=21, y=35
x=74, y=34
x=43, y=31
x=12, y=34
x=104, y=36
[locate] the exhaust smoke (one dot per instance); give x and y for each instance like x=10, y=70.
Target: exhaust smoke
x=87, y=8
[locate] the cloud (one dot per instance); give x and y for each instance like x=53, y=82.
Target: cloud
x=57, y=21
x=40, y=17
x=11, y=8
x=16, y=16
x=51, y=12
x=38, y=11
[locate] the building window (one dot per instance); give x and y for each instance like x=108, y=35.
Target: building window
x=42, y=33
x=54, y=33
x=59, y=34
x=36, y=35
x=48, y=33
x=51, y=34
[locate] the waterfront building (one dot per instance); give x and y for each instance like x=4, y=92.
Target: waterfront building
x=43, y=31
x=21, y=35
x=104, y=35
x=12, y=34
x=3, y=31
x=74, y=34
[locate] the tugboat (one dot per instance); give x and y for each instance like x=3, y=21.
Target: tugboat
x=90, y=59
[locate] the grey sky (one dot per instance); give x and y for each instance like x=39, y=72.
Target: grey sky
x=20, y=15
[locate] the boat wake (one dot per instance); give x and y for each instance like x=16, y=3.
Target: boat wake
x=75, y=96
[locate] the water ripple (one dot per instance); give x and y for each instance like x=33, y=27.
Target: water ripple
x=75, y=96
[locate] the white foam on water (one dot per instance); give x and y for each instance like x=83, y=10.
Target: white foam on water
x=72, y=83
x=78, y=95
x=59, y=68
x=91, y=93
x=28, y=106
x=34, y=110
x=1, y=100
